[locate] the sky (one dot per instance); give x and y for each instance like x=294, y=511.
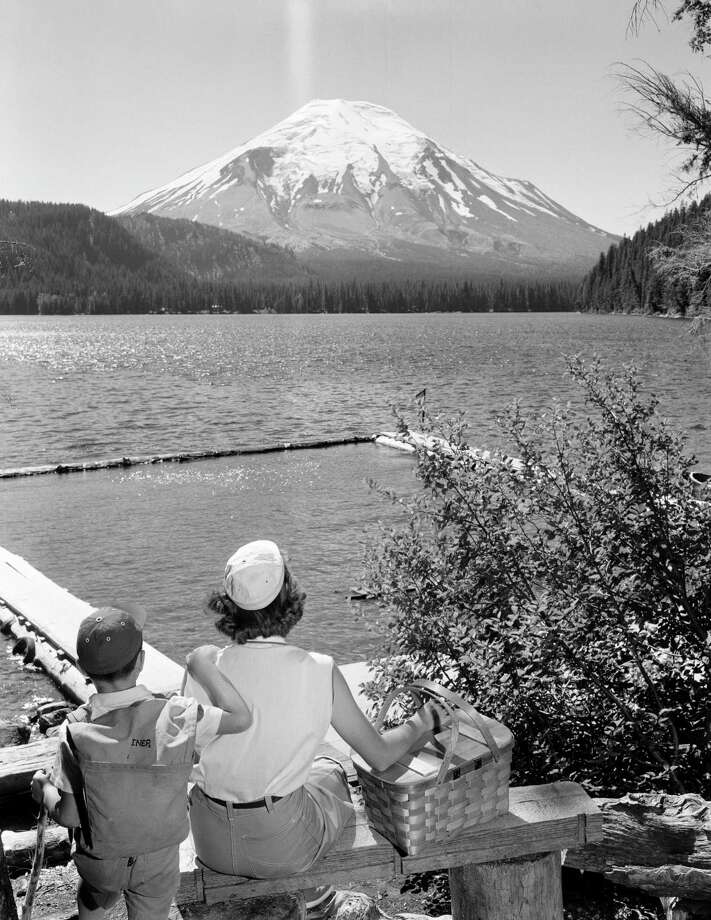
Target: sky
x=105, y=99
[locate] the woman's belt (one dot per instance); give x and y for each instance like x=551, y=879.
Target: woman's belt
x=257, y=803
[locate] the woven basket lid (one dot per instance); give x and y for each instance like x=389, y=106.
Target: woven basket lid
x=470, y=753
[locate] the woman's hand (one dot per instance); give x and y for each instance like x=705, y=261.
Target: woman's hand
x=380, y=750
x=433, y=717
x=200, y=659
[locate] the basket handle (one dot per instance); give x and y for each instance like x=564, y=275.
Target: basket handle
x=437, y=690
x=416, y=692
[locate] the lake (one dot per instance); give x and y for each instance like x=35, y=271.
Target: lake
x=86, y=388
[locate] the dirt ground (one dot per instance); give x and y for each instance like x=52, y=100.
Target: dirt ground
x=587, y=898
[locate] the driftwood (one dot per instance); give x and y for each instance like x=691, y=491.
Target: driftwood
x=653, y=841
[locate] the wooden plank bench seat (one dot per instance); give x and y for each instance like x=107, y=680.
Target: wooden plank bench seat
x=541, y=819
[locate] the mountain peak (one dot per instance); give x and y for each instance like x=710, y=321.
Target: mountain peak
x=342, y=176
x=347, y=127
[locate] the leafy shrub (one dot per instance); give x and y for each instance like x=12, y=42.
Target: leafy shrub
x=570, y=597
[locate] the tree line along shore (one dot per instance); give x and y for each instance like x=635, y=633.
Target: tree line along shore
x=69, y=259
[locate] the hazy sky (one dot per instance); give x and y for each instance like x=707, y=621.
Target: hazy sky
x=104, y=99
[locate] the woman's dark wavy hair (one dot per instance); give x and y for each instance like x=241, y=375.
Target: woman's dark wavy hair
x=276, y=619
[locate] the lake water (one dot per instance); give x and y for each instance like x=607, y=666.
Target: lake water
x=82, y=388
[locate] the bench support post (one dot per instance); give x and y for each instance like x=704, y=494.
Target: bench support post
x=528, y=888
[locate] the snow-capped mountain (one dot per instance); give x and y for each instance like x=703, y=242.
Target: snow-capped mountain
x=345, y=179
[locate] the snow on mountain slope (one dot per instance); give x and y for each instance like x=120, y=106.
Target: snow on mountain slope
x=353, y=177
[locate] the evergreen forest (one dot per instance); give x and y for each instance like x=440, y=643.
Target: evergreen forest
x=640, y=275
x=70, y=259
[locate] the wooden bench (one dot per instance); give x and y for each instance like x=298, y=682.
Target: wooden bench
x=509, y=867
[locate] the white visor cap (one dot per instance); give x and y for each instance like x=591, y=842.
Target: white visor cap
x=254, y=574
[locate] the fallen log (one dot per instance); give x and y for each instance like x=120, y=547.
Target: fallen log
x=19, y=848
x=19, y=762
x=656, y=842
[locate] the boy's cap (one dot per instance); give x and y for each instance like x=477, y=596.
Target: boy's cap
x=254, y=574
x=107, y=640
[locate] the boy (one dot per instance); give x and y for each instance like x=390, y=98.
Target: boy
x=123, y=764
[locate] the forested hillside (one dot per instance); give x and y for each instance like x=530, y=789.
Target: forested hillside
x=635, y=275
x=211, y=254
x=61, y=258
x=65, y=258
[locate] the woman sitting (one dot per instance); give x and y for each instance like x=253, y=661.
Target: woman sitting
x=265, y=804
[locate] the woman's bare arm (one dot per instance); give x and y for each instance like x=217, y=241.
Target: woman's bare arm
x=201, y=666
x=378, y=750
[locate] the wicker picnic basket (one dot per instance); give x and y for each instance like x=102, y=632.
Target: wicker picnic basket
x=460, y=778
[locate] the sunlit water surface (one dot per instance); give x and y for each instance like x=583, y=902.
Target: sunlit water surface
x=83, y=388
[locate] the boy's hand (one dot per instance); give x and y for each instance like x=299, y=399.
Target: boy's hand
x=199, y=659
x=39, y=781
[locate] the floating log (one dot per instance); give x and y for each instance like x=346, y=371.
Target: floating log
x=86, y=466
x=410, y=441
x=36, y=650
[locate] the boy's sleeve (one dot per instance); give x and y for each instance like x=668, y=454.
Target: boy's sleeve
x=204, y=717
x=208, y=725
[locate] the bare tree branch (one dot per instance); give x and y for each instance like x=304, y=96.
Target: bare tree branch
x=643, y=10
x=678, y=111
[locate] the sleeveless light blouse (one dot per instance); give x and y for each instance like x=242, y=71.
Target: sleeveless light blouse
x=290, y=693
